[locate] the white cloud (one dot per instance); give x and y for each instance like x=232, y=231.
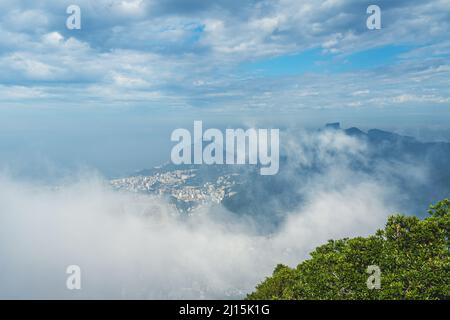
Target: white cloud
x=165, y=46
x=12, y=93
x=26, y=20
x=135, y=246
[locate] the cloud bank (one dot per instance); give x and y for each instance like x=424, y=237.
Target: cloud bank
x=137, y=246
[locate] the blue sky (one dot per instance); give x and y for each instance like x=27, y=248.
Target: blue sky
x=316, y=61
x=223, y=59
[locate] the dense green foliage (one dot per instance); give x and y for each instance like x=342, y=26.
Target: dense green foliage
x=412, y=254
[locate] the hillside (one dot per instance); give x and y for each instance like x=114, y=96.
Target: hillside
x=412, y=255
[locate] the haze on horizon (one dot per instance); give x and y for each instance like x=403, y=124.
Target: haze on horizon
x=107, y=96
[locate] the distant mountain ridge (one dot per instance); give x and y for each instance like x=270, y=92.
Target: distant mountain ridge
x=243, y=191
x=373, y=134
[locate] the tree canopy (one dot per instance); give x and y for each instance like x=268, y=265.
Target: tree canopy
x=413, y=256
